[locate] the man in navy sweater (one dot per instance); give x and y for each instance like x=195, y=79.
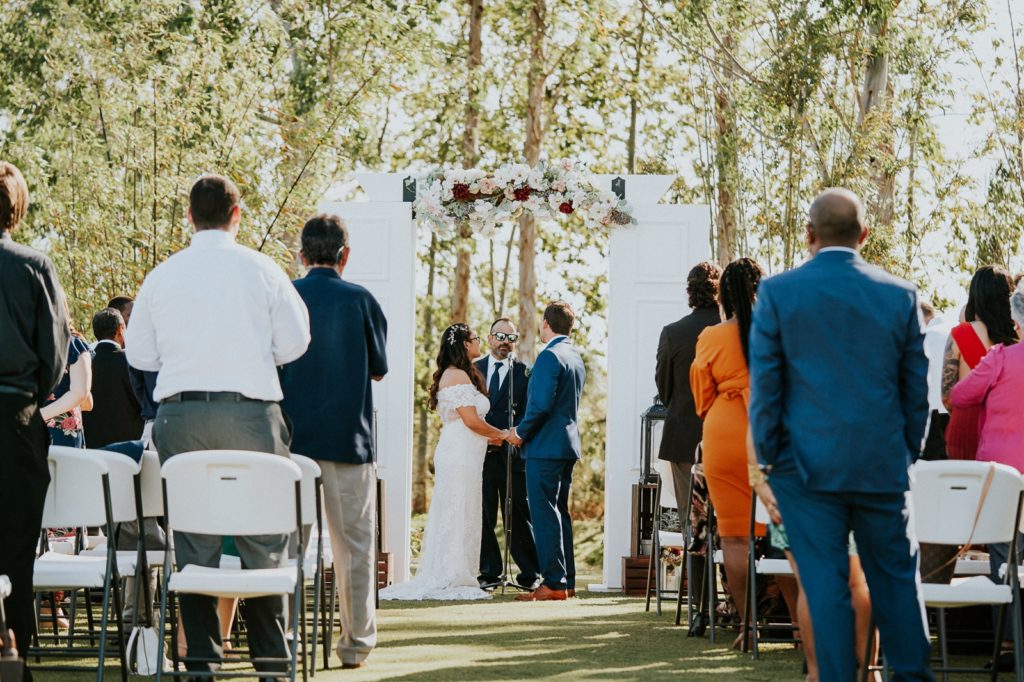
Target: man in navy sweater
x=327, y=395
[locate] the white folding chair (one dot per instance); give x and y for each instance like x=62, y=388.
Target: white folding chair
x=88, y=488
x=664, y=498
x=238, y=493
x=759, y=566
x=313, y=556
x=960, y=502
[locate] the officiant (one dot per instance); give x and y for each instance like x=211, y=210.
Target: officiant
x=495, y=367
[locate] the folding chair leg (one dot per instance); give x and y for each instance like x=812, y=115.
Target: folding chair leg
x=105, y=614
x=687, y=567
x=89, y=619
x=119, y=622
x=161, y=641
x=317, y=592
x=1018, y=646
x=998, y=641
x=329, y=632
x=301, y=615
x=943, y=649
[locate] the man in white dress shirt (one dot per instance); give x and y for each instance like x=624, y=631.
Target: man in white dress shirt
x=215, y=320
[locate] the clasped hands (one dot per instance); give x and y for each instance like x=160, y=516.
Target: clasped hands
x=508, y=435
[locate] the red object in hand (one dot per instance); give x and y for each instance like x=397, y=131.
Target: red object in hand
x=566, y=208
x=460, y=191
x=522, y=194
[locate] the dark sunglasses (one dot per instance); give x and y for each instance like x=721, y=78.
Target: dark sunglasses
x=502, y=336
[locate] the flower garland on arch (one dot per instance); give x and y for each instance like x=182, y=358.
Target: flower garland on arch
x=450, y=198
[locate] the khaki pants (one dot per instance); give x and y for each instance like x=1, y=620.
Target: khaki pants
x=349, y=498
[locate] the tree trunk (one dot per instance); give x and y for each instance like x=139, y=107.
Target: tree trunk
x=634, y=96
x=470, y=157
x=528, y=324
x=876, y=89
x=419, y=476
x=726, y=159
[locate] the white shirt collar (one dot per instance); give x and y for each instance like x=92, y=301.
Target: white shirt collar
x=555, y=338
x=212, y=238
x=110, y=341
x=847, y=249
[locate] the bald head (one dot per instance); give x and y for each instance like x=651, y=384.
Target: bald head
x=836, y=218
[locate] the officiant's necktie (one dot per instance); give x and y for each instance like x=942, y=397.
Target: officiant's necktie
x=495, y=381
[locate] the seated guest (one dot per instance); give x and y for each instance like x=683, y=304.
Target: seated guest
x=116, y=414
x=994, y=386
x=62, y=410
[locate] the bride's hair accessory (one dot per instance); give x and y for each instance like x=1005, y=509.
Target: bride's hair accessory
x=453, y=329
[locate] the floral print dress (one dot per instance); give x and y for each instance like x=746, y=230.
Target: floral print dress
x=66, y=428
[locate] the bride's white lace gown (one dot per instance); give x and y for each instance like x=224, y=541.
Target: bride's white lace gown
x=450, y=557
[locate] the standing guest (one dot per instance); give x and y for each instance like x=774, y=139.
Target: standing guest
x=838, y=407
x=215, y=320
x=116, y=415
x=550, y=429
x=495, y=368
x=62, y=410
x=34, y=336
x=986, y=322
x=995, y=385
x=683, y=427
x=936, y=332
x=721, y=387
x=328, y=396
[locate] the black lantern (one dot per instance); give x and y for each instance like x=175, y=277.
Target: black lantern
x=652, y=421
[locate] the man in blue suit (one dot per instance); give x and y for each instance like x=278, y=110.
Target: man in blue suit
x=838, y=409
x=550, y=437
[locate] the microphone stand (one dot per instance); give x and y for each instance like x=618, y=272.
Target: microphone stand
x=506, y=579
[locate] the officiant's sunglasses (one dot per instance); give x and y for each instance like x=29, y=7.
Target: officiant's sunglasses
x=502, y=336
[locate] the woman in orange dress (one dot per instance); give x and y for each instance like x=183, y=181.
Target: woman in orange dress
x=721, y=389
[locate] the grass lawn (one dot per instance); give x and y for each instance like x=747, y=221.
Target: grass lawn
x=597, y=636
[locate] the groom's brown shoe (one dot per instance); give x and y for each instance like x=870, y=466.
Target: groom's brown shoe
x=542, y=593
x=570, y=594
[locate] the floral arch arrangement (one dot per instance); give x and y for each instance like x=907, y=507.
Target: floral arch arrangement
x=455, y=198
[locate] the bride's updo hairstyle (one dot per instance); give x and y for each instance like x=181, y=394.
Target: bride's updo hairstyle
x=453, y=354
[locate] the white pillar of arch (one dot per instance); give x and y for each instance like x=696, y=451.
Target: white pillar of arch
x=383, y=259
x=647, y=274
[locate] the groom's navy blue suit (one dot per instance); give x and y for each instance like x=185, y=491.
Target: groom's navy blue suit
x=551, y=447
x=838, y=406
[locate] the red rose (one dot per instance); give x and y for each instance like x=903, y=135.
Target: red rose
x=522, y=194
x=69, y=424
x=565, y=207
x=460, y=191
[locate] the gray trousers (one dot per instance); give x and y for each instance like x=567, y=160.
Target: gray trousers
x=247, y=425
x=349, y=495
x=682, y=484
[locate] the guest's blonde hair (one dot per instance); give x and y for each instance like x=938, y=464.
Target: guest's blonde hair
x=13, y=196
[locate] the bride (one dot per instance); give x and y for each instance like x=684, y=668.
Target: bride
x=450, y=557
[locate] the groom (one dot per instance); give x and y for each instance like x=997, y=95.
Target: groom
x=551, y=435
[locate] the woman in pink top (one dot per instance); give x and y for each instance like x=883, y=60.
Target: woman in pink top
x=996, y=385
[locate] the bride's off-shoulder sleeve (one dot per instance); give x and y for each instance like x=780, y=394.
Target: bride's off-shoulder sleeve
x=460, y=395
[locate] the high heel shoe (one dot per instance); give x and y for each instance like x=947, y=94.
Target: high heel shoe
x=699, y=625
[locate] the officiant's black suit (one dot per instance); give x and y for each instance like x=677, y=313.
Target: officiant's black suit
x=523, y=549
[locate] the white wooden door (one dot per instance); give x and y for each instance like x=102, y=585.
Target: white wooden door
x=383, y=259
x=647, y=290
